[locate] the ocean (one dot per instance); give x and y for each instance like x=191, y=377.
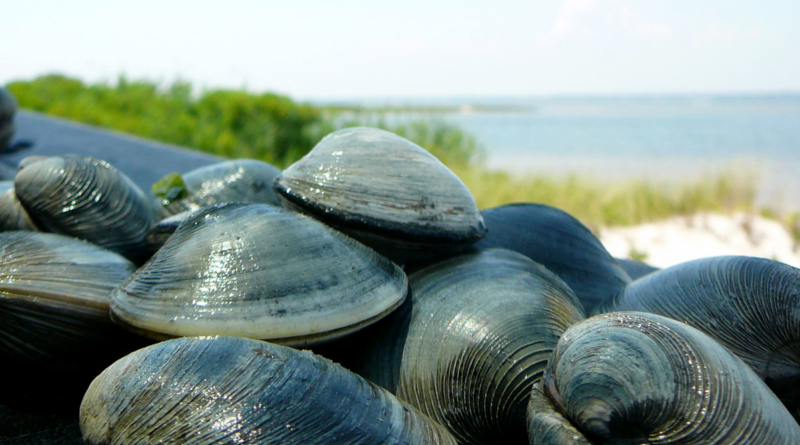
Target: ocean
x=662, y=138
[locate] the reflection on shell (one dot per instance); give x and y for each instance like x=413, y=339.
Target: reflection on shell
x=241, y=180
x=560, y=243
x=472, y=341
x=238, y=391
x=258, y=271
x=643, y=378
x=87, y=199
x=750, y=305
x=54, y=299
x=386, y=191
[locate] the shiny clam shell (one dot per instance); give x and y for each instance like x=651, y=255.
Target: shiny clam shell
x=88, y=199
x=630, y=377
x=560, y=243
x=223, y=390
x=54, y=300
x=386, y=191
x=241, y=180
x=471, y=342
x=749, y=305
x=258, y=271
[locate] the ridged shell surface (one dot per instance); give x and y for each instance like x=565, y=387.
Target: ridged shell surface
x=54, y=299
x=749, y=305
x=88, y=199
x=12, y=215
x=560, y=243
x=472, y=341
x=636, y=269
x=630, y=377
x=241, y=180
x=222, y=390
x=258, y=271
x=373, y=181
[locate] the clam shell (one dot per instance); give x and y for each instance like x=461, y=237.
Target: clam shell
x=559, y=242
x=386, y=191
x=88, y=199
x=242, y=180
x=54, y=300
x=749, y=305
x=546, y=426
x=258, y=271
x=471, y=342
x=200, y=391
x=641, y=378
x=12, y=215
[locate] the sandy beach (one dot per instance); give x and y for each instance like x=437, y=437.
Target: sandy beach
x=675, y=240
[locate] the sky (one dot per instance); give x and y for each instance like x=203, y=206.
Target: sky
x=327, y=50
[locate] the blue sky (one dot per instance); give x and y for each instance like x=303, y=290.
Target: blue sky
x=369, y=49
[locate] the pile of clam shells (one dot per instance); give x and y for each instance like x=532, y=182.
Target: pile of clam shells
x=430, y=322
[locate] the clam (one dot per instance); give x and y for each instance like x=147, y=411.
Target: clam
x=547, y=426
x=158, y=235
x=749, y=305
x=559, y=242
x=634, y=377
x=241, y=180
x=470, y=343
x=385, y=191
x=255, y=270
x=215, y=390
x=8, y=106
x=12, y=215
x=88, y=199
x=54, y=301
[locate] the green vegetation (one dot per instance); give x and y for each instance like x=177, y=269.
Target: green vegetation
x=275, y=129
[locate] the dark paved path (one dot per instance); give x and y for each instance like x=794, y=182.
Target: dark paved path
x=144, y=161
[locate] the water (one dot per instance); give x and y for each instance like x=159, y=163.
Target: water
x=662, y=138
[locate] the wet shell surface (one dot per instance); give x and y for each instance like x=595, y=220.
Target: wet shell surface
x=12, y=215
x=749, y=305
x=258, y=271
x=241, y=180
x=560, y=243
x=631, y=377
x=88, y=199
x=471, y=342
x=223, y=390
x=54, y=299
x=384, y=190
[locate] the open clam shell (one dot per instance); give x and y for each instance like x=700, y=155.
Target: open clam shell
x=749, y=305
x=471, y=342
x=258, y=271
x=54, y=300
x=215, y=390
x=559, y=242
x=386, y=191
x=641, y=378
x=241, y=180
x=88, y=199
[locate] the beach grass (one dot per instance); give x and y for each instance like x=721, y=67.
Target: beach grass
x=600, y=203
